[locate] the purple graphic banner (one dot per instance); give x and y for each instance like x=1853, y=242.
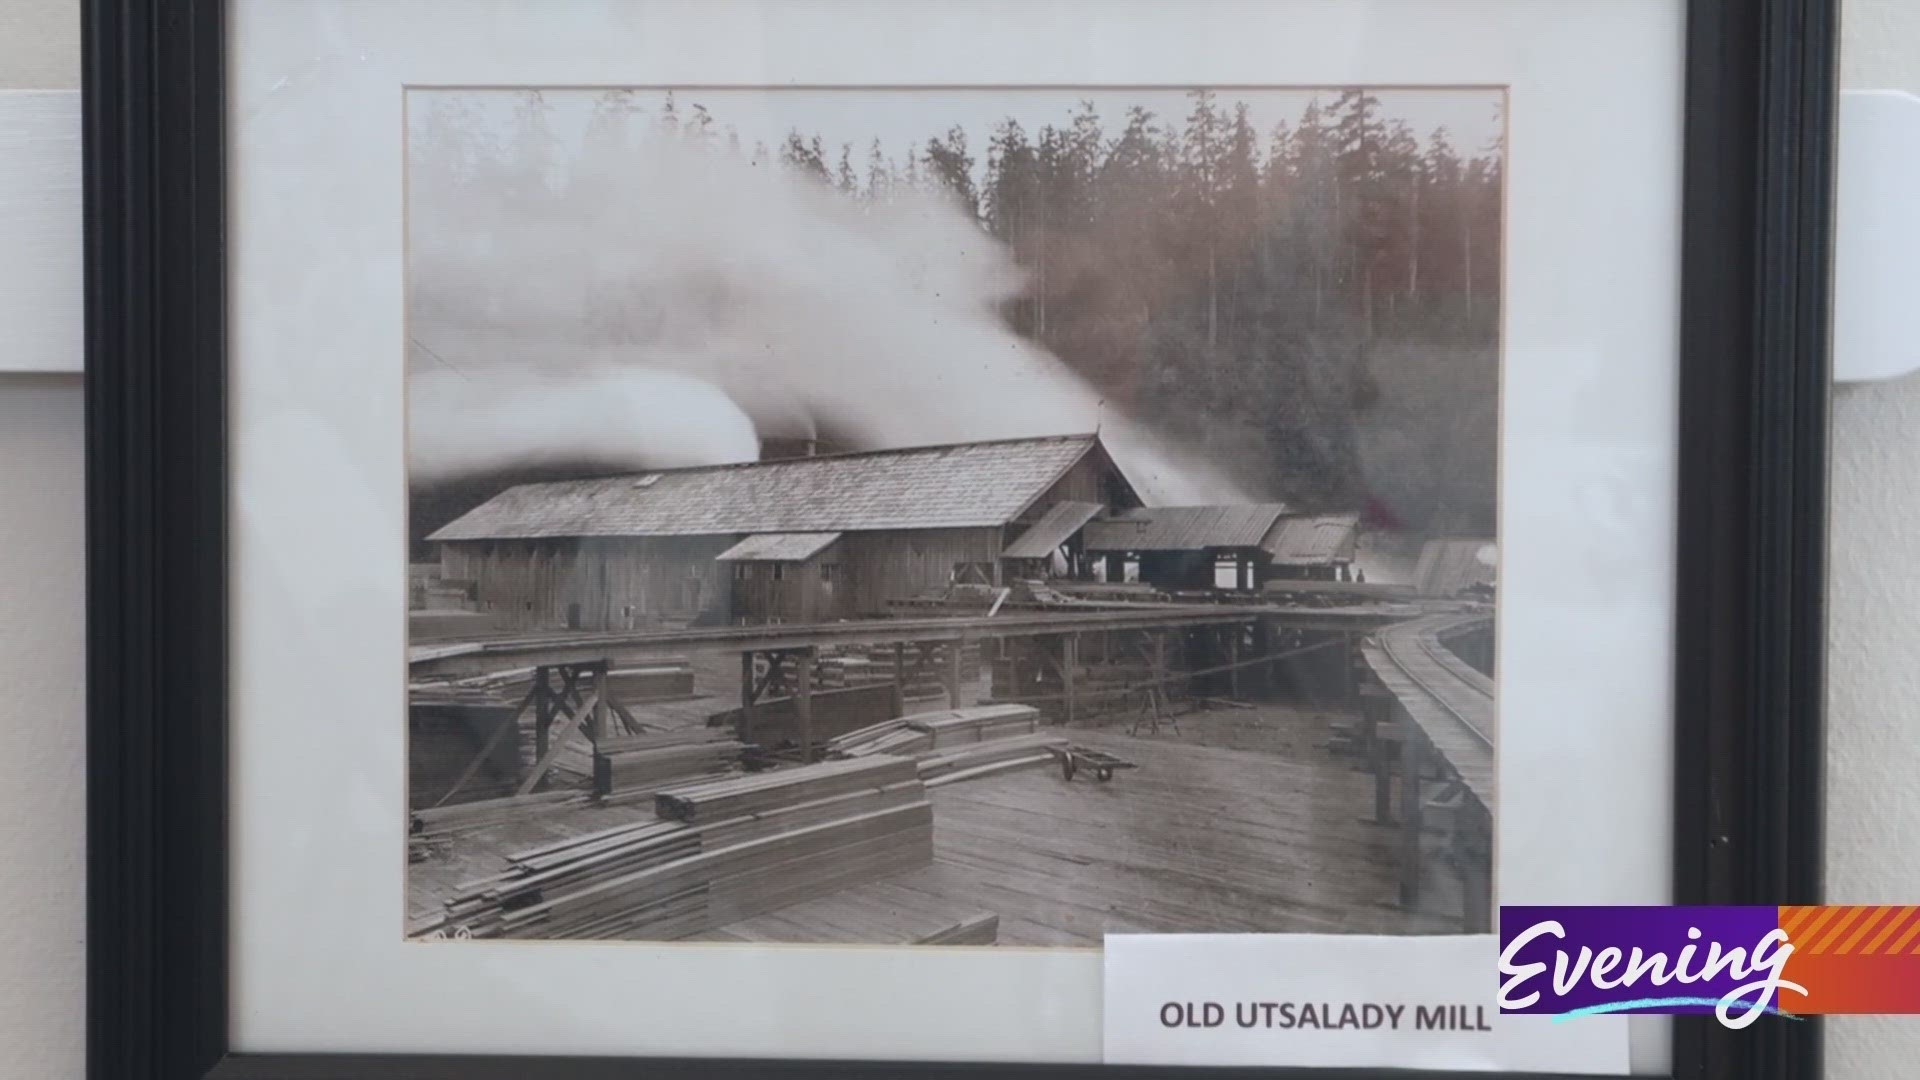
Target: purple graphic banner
x=1588, y=960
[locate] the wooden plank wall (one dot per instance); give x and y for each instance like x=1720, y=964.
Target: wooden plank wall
x=801, y=593
x=884, y=566
x=616, y=584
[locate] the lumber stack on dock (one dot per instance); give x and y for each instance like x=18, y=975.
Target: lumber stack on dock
x=972, y=760
x=729, y=850
x=432, y=825
x=956, y=744
x=982, y=929
x=732, y=797
x=645, y=763
x=920, y=732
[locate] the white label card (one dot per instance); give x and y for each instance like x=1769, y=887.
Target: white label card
x=1333, y=1000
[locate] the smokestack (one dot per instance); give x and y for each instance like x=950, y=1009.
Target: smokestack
x=778, y=448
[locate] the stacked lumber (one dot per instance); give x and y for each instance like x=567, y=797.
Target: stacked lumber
x=666, y=678
x=657, y=759
x=976, y=724
x=982, y=929
x=886, y=737
x=432, y=825
x=974, y=760
x=488, y=907
x=661, y=680
x=749, y=848
x=956, y=744
x=717, y=800
x=919, y=732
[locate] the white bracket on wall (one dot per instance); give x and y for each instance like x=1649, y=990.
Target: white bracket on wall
x=40, y=240
x=1876, y=259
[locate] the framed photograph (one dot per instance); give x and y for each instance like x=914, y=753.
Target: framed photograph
x=848, y=538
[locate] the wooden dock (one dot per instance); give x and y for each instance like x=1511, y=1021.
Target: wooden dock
x=1198, y=838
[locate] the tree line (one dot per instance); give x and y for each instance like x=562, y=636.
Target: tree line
x=1315, y=306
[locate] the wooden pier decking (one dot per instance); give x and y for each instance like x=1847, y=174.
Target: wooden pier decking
x=1199, y=838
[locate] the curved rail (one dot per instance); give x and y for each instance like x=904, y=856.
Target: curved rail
x=1461, y=690
x=1449, y=701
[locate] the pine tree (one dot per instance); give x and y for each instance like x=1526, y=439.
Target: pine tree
x=804, y=156
x=844, y=178
x=950, y=166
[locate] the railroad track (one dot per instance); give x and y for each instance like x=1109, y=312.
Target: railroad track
x=1459, y=689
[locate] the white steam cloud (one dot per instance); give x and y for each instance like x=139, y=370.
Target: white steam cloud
x=670, y=303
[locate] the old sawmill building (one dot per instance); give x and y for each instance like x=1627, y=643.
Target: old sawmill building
x=839, y=536
x=798, y=540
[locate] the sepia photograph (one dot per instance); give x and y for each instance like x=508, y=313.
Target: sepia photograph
x=960, y=516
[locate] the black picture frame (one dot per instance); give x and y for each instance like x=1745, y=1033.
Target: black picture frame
x=1756, y=234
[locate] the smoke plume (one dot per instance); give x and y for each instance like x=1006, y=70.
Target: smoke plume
x=663, y=305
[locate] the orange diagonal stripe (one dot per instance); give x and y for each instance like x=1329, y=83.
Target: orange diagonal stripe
x=1849, y=915
x=1901, y=918
x=1900, y=943
x=1879, y=915
x=1813, y=927
x=1791, y=919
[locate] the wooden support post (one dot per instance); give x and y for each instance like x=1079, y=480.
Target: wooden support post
x=803, y=699
x=1475, y=848
x=543, y=711
x=597, y=718
x=1347, y=681
x=1233, y=659
x=899, y=678
x=747, y=694
x=953, y=674
x=1411, y=765
x=1070, y=654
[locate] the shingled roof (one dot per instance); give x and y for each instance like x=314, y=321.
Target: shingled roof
x=1183, y=528
x=964, y=485
x=1313, y=540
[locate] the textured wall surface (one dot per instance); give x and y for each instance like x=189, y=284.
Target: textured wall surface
x=42, y=712
x=1874, y=747
x=1873, y=741
x=43, y=772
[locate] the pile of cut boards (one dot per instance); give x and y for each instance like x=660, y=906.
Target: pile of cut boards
x=643, y=764
x=664, y=679
x=719, y=852
x=956, y=744
x=432, y=825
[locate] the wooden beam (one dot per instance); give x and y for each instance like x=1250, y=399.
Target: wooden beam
x=803, y=700
x=953, y=674
x=899, y=678
x=1233, y=659
x=542, y=712
x=487, y=748
x=597, y=715
x=558, y=744
x=747, y=694
x=1411, y=766
x=1473, y=842
x=1070, y=652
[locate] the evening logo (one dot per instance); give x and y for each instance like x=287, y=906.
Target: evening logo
x=1737, y=963
x=1592, y=960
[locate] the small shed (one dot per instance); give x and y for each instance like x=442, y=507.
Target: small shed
x=1052, y=544
x=1312, y=547
x=785, y=577
x=1185, y=547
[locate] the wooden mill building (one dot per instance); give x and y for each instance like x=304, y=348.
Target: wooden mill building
x=1192, y=548
x=799, y=540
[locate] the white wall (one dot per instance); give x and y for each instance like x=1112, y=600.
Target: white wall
x=1874, y=746
x=42, y=711
x=1873, y=741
